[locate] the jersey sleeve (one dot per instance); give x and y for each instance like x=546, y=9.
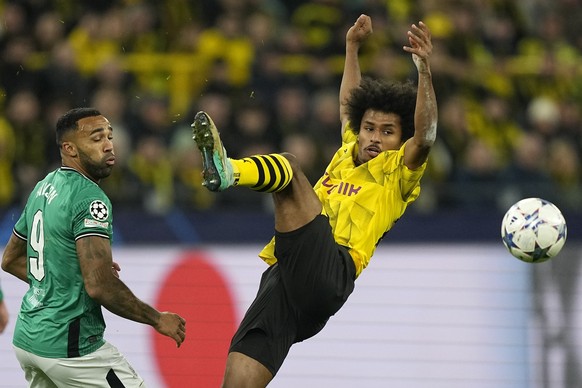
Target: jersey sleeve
x=20, y=228
x=410, y=179
x=268, y=253
x=348, y=135
x=92, y=216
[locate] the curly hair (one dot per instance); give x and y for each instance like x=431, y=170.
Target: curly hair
x=398, y=98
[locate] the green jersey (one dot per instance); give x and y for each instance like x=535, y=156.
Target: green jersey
x=57, y=317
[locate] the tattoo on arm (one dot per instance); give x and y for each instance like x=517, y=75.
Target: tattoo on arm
x=108, y=290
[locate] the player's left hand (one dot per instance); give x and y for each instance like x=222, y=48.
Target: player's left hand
x=173, y=326
x=420, y=40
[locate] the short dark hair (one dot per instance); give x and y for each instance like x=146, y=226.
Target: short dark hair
x=390, y=97
x=69, y=120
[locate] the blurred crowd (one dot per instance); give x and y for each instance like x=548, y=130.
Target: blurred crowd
x=507, y=76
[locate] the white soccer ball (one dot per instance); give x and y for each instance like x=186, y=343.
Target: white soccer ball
x=533, y=230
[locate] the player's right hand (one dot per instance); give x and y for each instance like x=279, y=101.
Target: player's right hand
x=361, y=29
x=420, y=40
x=173, y=326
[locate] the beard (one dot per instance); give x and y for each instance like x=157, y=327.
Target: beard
x=95, y=170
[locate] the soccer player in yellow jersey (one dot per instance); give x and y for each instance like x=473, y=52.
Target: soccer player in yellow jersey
x=325, y=235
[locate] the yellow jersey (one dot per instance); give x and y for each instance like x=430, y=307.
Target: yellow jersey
x=362, y=202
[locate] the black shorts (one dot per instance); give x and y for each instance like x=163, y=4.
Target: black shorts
x=310, y=282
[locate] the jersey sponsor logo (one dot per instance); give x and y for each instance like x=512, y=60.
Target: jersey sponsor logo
x=93, y=223
x=98, y=210
x=343, y=188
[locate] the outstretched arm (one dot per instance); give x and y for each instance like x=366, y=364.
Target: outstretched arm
x=425, y=118
x=351, y=77
x=104, y=286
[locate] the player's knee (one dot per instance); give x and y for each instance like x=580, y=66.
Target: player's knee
x=295, y=166
x=244, y=371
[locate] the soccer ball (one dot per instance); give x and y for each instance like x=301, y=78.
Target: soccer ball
x=533, y=230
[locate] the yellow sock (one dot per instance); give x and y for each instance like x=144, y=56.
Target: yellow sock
x=268, y=173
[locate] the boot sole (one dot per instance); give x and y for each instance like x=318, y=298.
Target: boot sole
x=204, y=137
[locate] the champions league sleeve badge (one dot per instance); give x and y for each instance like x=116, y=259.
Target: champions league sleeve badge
x=99, y=213
x=99, y=210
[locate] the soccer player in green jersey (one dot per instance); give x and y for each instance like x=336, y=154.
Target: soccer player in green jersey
x=3, y=313
x=61, y=247
x=325, y=235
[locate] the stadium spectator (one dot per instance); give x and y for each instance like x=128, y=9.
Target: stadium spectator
x=527, y=175
x=476, y=179
x=64, y=52
x=7, y=146
x=564, y=165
